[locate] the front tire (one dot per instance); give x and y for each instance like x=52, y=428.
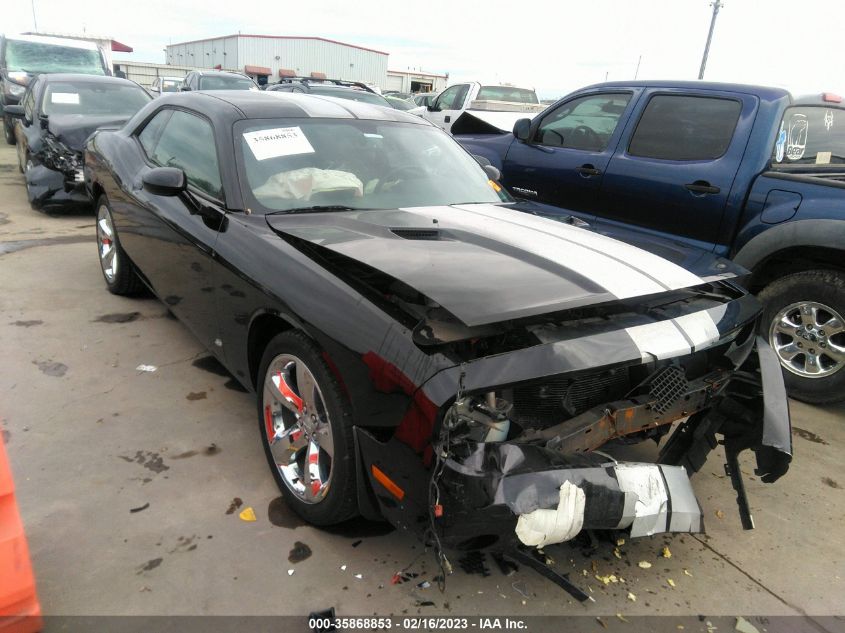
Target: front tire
x=804, y=322
x=9, y=131
x=118, y=271
x=306, y=430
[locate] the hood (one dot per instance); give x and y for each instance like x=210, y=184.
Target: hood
x=74, y=129
x=486, y=263
x=484, y=122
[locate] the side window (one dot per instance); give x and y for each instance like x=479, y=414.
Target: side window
x=187, y=142
x=29, y=102
x=152, y=131
x=452, y=98
x=585, y=123
x=677, y=127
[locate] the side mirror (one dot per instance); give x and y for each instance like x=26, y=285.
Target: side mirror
x=184, y=88
x=165, y=181
x=433, y=107
x=522, y=129
x=492, y=173
x=13, y=111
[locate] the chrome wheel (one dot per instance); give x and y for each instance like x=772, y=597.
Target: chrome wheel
x=809, y=338
x=106, y=243
x=298, y=429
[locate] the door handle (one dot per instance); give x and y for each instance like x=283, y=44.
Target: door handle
x=447, y=118
x=702, y=186
x=588, y=170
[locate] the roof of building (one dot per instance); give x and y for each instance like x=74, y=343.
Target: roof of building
x=280, y=37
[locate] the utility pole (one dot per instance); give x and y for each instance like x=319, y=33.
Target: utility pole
x=637, y=71
x=34, y=21
x=716, y=6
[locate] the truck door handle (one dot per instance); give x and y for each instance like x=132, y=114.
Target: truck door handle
x=702, y=186
x=588, y=170
x=447, y=118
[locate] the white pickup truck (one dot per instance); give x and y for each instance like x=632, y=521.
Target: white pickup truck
x=499, y=104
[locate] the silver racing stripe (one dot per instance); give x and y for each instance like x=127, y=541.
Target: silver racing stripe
x=623, y=269
x=675, y=337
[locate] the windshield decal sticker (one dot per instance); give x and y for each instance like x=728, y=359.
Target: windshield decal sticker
x=780, y=146
x=828, y=120
x=65, y=97
x=823, y=158
x=796, y=138
x=280, y=141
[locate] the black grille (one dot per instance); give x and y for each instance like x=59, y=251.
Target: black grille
x=559, y=399
x=417, y=234
x=667, y=387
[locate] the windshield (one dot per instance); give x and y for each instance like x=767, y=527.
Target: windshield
x=93, y=99
x=38, y=58
x=297, y=163
x=170, y=85
x=225, y=82
x=507, y=93
x=400, y=104
x=351, y=95
x=810, y=135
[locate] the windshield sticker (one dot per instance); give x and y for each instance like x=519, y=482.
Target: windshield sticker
x=65, y=97
x=280, y=141
x=828, y=120
x=823, y=158
x=796, y=138
x=780, y=146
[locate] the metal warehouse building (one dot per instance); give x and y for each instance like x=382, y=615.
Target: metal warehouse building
x=267, y=57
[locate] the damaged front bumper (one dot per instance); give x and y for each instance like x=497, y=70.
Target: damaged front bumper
x=542, y=488
x=56, y=177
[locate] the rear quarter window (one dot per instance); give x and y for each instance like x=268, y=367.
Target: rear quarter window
x=810, y=135
x=685, y=127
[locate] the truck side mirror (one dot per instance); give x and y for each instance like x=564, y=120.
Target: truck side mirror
x=522, y=129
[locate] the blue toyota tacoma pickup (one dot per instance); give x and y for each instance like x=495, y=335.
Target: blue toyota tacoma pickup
x=747, y=172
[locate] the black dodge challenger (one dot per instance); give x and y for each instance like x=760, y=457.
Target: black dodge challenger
x=423, y=347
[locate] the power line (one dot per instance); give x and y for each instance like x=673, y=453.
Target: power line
x=716, y=6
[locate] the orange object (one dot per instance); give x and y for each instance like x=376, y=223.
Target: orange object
x=19, y=608
x=388, y=483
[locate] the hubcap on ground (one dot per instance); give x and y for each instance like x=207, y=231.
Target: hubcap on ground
x=105, y=242
x=809, y=338
x=297, y=426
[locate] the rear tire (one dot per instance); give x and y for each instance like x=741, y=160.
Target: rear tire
x=118, y=272
x=803, y=322
x=325, y=493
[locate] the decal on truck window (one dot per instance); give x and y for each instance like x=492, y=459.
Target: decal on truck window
x=780, y=146
x=828, y=120
x=796, y=139
x=280, y=141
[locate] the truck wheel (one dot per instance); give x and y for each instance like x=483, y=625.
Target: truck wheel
x=803, y=322
x=306, y=430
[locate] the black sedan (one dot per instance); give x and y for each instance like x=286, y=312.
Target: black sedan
x=420, y=349
x=57, y=114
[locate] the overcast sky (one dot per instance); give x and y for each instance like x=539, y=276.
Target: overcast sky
x=555, y=46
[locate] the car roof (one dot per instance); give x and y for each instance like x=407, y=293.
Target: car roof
x=764, y=92
x=225, y=73
x=55, y=41
x=254, y=104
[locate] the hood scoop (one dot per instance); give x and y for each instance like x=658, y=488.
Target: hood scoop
x=417, y=234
